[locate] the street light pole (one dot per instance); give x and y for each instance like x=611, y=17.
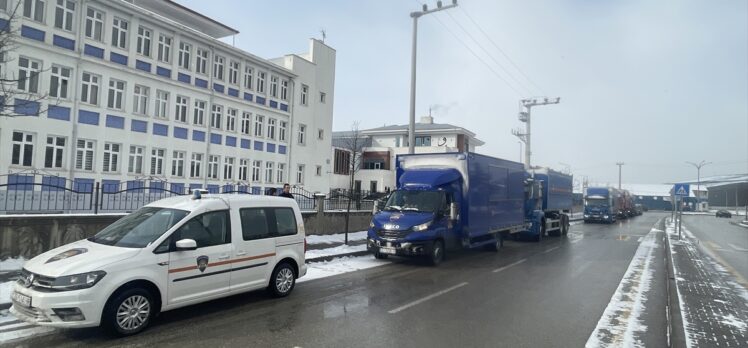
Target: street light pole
x=619, y=164
x=415, y=15
x=524, y=116
x=698, y=180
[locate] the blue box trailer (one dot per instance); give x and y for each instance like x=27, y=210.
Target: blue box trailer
x=452, y=200
x=603, y=204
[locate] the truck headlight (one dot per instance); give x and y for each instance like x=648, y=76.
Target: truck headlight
x=605, y=217
x=422, y=227
x=585, y=215
x=78, y=281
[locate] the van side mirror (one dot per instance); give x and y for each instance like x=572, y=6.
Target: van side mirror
x=454, y=212
x=186, y=244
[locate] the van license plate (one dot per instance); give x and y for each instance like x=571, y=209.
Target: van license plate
x=21, y=299
x=390, y=251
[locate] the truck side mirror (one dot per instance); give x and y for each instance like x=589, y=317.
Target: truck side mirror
x=453, y=211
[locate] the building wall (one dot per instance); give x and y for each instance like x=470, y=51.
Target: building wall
x=730, y=195
x=74, y=120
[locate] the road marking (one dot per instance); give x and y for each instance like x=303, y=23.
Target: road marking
x=551, y=249
x=509, y=265
x=714, y=245
x=424, y=299
x=737, y=247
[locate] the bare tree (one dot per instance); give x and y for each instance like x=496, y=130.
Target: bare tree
x=20, y=94
x=353, y=143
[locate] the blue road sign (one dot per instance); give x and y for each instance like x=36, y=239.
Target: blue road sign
x=681, y=189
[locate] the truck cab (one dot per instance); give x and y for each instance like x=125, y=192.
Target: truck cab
x=600, y=205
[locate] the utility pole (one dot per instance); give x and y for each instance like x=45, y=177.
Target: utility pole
x=524, y=116
x=698, y=180
x=520, y=151
x=415, y=15
x=619, y=164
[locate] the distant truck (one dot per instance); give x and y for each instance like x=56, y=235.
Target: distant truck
x=557, y=199
x=604, y=204
x=462, y=200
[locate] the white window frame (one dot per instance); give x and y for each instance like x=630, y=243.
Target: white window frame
x=322, y=97
x=304, y=95
x=282, y=130
x=269, y=171
x=162, y=104
x=246, y=123
x=94, y=28
x=196, y=162
x=185, y=53
x=228, y=168
x=177, y=163
x=66, y=11
x=135, y=159
x=243, y=169
x=58, y=151
x=273, y=86
x=140, y=99
x=231, y=119
x=300, y=174
x=120, y=29
x=201, y=61
x=256, y=171
x=164, y=48
x=145, y=41
x=59, y=81
x=90, y=88
x=320, y=134
x=218, y=67
x=284, y=89
x=301, y=135
x=158, y=158
x=33, y=12
x=213, y=163
x=27, y=139
x=110, y=160
x=182, y=109
x=261, y=75
x=234, y=67
x=259, y=125
x=116, y=94
x=248, y=75
x=85, y=154
x=280, y=173
x=28, y=74
x=271, y=128
x=216, y=111
x=198, y=115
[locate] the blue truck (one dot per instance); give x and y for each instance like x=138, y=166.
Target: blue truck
x=556, y=200
x=458, y=200
x=603, y=204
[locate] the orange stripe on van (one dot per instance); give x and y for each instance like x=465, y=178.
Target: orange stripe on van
x=220, y=263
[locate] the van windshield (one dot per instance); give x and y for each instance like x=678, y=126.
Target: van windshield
x=140, y=228
x=423, y=201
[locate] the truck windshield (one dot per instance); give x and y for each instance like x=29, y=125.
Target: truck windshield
x=596, y=202
x=424, y=201
x=140, y=228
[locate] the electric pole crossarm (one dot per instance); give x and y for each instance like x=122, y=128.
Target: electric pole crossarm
x=525, y=116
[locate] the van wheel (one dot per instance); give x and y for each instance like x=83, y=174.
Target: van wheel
x=128, y=312
x=282, y=280
x=437, y=253
x=380, y=256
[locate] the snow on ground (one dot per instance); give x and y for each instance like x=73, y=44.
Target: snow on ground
x=335, y=238
x=341, y=249
x=12, y=264
x=22, y=330
x=620, y=324
x=5, y=289
x=341, y=265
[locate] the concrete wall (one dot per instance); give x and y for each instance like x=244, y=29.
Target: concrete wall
x=28, y=236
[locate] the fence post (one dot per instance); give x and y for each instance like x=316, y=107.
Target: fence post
x=319, y=199
x=96, y=199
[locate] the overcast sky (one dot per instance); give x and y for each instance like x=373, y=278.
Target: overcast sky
x=649, y=83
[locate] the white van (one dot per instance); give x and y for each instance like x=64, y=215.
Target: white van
x=171, y=253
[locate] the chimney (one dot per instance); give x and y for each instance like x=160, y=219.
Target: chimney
x=426, y=120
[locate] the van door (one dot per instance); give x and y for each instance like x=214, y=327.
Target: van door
x=205, y=271
x=255, y=253
x=289, y=243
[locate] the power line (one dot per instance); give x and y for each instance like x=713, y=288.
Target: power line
x=502, y=51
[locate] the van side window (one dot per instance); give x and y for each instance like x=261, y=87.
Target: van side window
x=254, y=223
x=207, y=229
x=285, y=221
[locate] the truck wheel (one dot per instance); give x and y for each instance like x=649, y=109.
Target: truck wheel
x=565, y=225
x=128, y=312
x=496, y=245
x=380, y=256
x=282, y=280
x=437, y=253
x=539, y=237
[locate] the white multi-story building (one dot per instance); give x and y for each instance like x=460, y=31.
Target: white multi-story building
x=144, y=89
x=382, y=145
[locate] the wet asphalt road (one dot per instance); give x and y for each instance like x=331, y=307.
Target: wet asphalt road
x=725, y=240
x=548, y=294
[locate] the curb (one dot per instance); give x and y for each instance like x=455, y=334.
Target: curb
x=677, y=334
x=331, y=257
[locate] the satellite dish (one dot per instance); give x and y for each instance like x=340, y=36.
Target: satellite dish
x=443, y=142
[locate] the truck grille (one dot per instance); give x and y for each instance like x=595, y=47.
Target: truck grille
x=388, y=234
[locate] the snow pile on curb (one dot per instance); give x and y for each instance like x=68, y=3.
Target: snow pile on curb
x=335, y=238
x=339, y=266
x=12, y=264
x=338, y=250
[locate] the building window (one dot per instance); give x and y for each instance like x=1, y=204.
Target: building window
x=201, y=61
x=195, y=163
x=28, y=74
x=243, y=169
x=164, y=48
x=274, y=86
x=374, y=164
x=213, y=167
x=282, y=131
x=34, y=9
x=23, y=149
x=53, y=154
x=319, y=170
x=94, y=24
x=259, y=124
x=199, y=115
x=59, y=82
x=281, y=173
x=304, y=95
x=177, y=163
x=119, y=33
x=246, y=122
x=248, y=72
x=157, y=161
x=116, y=96
x=111, y=157
x=162, y=104
x=271, y=128
x=423, y=141
x=322, y=97
x=64, y=12
x=143, y=45
x=256, y=168
x=269, y=167
x=231, y=120
x=215, y=116
x=90, y=88
x=302, y=134
x=135, y=161
x=320, y=134
x=284, y=90
x=181, y=109
x=260, y=82
x=342, y=162
x=185, y=50
x=234, y=72
x=228, y=168
x=218, y=63
x=300, y=174
x=84, y=154
x=140, y=100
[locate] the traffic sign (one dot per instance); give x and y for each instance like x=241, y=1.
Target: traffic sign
x=681, y=189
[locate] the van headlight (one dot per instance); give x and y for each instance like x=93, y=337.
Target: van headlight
x=422, y=227
x=77, y=281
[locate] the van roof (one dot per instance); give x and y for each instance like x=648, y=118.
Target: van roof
x=221, y=201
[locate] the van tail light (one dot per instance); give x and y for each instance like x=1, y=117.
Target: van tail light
x=305, y=245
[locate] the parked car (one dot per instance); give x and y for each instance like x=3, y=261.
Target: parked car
x=723, y=213
x=171, y=253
